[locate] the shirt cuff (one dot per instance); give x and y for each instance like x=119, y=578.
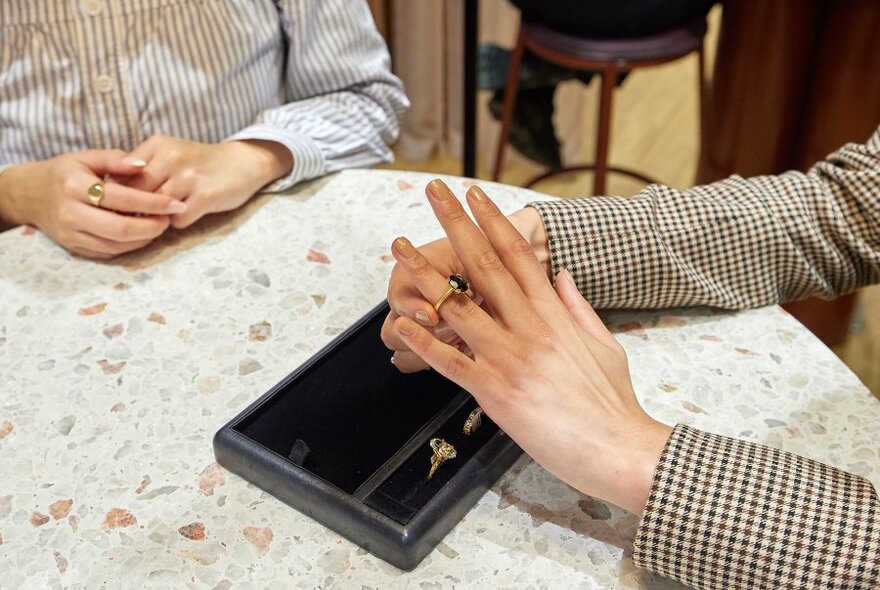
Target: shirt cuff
x=728, y=513
x=308, y=160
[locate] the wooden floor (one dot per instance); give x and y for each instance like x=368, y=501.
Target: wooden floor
x=655, y=129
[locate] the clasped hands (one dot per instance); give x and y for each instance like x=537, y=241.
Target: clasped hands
x=535, y=355
x=164, y=182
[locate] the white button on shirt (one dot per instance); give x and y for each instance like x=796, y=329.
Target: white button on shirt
x=312, y=75
x=92, y=7
x=104, y=84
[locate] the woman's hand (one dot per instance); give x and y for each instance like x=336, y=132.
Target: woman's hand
x=208, y=177
x=406, y=300
x=544, y=367
x=53, y=196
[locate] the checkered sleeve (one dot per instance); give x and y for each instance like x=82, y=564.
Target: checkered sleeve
x=731, y=514
x=731, y=244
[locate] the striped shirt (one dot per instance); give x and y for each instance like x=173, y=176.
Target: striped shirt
x=312, y=75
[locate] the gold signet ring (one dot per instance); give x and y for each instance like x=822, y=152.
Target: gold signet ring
x=457, y=284
x=96, y=193
x=443, y=451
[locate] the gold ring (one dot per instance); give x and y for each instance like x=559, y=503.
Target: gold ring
x=474, y=419
x=443, y=451
x=96, y=193
x=457, y=284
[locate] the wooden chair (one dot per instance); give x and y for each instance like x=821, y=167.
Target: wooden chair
x=608, y=58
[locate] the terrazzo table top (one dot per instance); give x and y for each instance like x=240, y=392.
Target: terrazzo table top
x=115, y=376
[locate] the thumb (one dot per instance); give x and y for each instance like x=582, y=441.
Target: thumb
x=115, y=162
x=580, y=309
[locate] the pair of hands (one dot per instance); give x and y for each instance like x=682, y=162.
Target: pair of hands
x=535, y=356
x=164, y=182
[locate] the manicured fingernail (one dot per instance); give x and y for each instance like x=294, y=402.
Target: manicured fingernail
x=405, y=247
x=406, y=328
x=176, y=206
x=477, y=193
x=132, y=161
x=438, y=190
x=422, y=317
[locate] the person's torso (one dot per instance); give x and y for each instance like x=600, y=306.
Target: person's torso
x=110, y=73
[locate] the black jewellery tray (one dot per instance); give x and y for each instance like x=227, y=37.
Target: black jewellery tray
x=345, y=439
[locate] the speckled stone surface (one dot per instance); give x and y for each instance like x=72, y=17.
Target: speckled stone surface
x=114, y=377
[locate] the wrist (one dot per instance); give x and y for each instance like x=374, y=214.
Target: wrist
x=267, y=160
x=530, y=224
x=13, y=210
x=632, y=489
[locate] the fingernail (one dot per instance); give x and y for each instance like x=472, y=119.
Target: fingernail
x=405, y=247
x=176, y=206
x=405, y=328
x=132, y=161
x=438, y=190
x=477, y=193
x=568, y=277
x=422, y=317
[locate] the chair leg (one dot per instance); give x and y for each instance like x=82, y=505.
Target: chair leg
x=510, y=92
x=703, y=96
x=609, y=79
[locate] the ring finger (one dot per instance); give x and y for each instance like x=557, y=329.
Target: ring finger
x=463, y=315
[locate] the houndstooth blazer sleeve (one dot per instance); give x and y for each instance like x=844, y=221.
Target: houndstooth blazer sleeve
x=732, y=244
x=726, y=513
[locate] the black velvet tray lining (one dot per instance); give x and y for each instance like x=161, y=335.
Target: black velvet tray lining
x=366, y=425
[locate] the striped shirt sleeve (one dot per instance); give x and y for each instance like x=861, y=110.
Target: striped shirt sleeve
x=337, y=117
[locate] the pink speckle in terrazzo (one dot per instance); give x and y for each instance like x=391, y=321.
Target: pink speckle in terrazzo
x=671, y=321
x=711, y=338
x=259, y=537
x=113, y=331
x=28, y=230
x=118, y=407
x=633, y=329
x=194, y=531
x=60, y=508
x=319, y=257
x=746, y=352
x=73, y=520
x=144, y=483
x=156, y=318
x=93, y=309
x=38, y=519
x=118, y=518
x=403, y=185
x=111, y=368
x=121, y=286
x=6, y=429
x=386, y=258
x=211, y=477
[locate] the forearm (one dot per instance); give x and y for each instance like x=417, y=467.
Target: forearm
x=726, y=513
x=732, y=244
